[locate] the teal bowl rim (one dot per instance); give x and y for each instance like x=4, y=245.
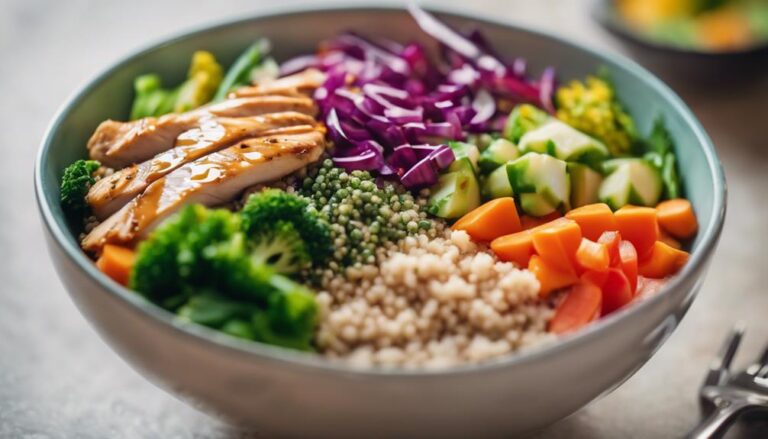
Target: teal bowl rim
x=287, y=358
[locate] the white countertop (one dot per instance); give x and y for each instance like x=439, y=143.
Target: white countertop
x=58, y=379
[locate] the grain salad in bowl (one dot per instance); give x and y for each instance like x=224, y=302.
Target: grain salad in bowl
x=382, y=203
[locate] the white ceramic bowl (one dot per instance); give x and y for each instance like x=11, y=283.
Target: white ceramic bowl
x=290, y=393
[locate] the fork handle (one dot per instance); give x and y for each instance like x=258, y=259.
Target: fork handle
x=717, y=422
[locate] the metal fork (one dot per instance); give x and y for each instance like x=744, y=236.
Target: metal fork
x=724, y=396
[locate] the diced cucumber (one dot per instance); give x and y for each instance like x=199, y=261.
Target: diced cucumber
x=564, y=142
x=463, y=150
x=542, y=175
x=455, y=194
x=524, y=117
x=461, y=164
x=498, y=153
x=536, y=204
x=483, y=140
x=496, y=184
x=585, y=184
x=630, y=181
x=610, y=166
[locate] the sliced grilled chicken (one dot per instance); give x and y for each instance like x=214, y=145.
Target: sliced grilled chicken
x=118, y=144
x=302, y=83
x=211, y=180
x=111, y=193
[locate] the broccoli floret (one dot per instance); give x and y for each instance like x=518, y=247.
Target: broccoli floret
x=169, y=264
x=289, y=321
x=200, y=264
x=281, y=247
x=266, y=208
x=524, y=118
x=152, y=99
x=75, y=183
x=591, y=106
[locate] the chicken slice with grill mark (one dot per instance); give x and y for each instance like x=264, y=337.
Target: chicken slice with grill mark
x=118, y=144
x=112, y=192
x=302, y=83
x=211, y=180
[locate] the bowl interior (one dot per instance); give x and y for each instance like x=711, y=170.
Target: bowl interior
x=110, y=95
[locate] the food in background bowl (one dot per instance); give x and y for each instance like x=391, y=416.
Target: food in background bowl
x=372, y=203
x=704, y=25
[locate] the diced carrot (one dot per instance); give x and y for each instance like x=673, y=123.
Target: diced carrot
x=617, y=291
x=612, y=240
x=592, y=255
x=580, y=306
x=666, y=238
x=628, y=256
x=677, y=218
x=557, y=242
x=639, y=226
x=116, y=262
x=529, y=222
x=550, y=276
x=594, y=219
x=662, y=261
x=516, y=247
x=493, y=219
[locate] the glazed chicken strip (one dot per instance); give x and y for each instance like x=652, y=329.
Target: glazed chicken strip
x=111, y=193
x=302, y=83
x=211, y=180
x=119, y=144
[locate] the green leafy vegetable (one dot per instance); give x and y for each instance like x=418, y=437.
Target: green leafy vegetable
x=659, y=151
x=75, y=183
x=202, y=82
x=242, y=69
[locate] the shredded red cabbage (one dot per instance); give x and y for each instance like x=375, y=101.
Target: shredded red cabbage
x=389, y=108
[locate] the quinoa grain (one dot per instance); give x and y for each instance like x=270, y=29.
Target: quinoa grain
x=430, y=303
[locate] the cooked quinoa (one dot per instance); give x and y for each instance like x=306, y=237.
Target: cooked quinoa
x=431, y=303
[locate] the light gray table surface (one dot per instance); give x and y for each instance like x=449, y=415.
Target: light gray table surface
x=58, y=379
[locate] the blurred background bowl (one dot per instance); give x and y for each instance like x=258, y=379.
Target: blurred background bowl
x=692, y=63
x=282, y=392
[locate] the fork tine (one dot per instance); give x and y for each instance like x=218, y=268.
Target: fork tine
x=764, y=358
x=720, y=365
x=762, y=365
